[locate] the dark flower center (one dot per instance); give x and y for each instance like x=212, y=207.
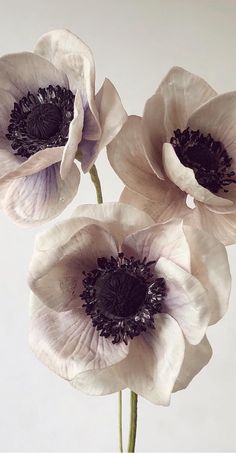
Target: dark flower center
x=41, y=120
x=208, y=159
x=122, y=296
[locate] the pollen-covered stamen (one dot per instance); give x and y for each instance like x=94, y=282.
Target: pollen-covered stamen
x=41, y=120
x=208, y=159
x=122, y=296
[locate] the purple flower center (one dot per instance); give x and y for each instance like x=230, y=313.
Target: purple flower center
x=122, y=296
x=41, y=120
x=208, y=159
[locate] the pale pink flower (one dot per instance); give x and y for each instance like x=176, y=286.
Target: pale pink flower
x=185, y=145
x=119, y=301
x=49, y=115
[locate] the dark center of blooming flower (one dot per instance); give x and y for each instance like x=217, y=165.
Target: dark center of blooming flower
x=208, y=159
x=41, y=120
x=122, y=296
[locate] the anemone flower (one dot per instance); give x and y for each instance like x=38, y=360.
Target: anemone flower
x=119, y=301
x=183, y=146
x=49, y=116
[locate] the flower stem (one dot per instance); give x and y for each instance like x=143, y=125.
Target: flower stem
x=120, y=423
x=96, y=181
x=133, y=421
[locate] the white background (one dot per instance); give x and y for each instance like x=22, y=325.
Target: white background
x=134, y=43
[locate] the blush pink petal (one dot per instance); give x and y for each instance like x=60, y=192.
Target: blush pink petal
x=38, y=198
x=81, y=249
x=112, y=116
x=26, y=71
x=186, y=300
x=68, y=344
x=126, y=154
x=71, y=55
x=99, y=382
x=179, y=94
x=195, y=358
x=210, y=265
x=118, y=218
x=185, y=179
x=160, y=240
x=154, y=361
x=169, y=204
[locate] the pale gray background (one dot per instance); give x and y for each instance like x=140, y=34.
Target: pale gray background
x=134, y=43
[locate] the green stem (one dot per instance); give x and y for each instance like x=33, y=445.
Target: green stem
x=133, y=421
x=96, y=181
x=120, y=423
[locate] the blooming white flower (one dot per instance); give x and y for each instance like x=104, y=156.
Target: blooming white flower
x=119, y=301
x=49, y=115
x=183, y=145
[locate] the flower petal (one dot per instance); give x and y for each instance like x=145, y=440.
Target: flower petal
x=37, y=198
x=56, y=274
x=7, y=101
x=169, y=204
x=126, y=154
x=118, y=218
x=185, y=179
x=75, y=136
x=222, y=226
x=99, y=382
x=24, y=72
x=210, y=265
x=68, y=344
x=186, y=300
x=195, y=358
x=160, y=240
x=68, y=53
x=179, y=94
x=154, y=361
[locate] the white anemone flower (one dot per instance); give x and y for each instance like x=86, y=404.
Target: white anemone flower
x=185, y=145
x=121, y=302
x=49, y=114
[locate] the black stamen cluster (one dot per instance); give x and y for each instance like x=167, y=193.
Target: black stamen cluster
x=122, y=297
x=208, y=159
x=41, y=120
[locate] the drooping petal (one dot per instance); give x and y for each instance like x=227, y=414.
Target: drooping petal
x=56, y=274
x=222, y=226
x=195, y=358
x=118, y=218
x=74, y=138
x=126, y=154
x=154, y=361
x=26, y=71
x=160, y=240
x=186, y=300
x=169, y=204
x=99, y=382
x=68, y=344
x=71, y=55
x=112, y=116
x=37, y=198
x=179, y=94
x=210, y=265
x=185, y=179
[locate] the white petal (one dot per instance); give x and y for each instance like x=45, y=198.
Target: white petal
x=195, y=358
x=37, y=198
x=7, y=101
x=185, y=179
x=154, y=361
x=24, y=72
x=186, y=300
x=68, y=344
x=160, y=240
x=222, y=226
x=169, y=204
x=99, y=382
x=118, y=218
x=50, y=269
x=179, y=94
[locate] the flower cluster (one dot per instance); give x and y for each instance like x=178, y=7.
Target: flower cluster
x=122, y=294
